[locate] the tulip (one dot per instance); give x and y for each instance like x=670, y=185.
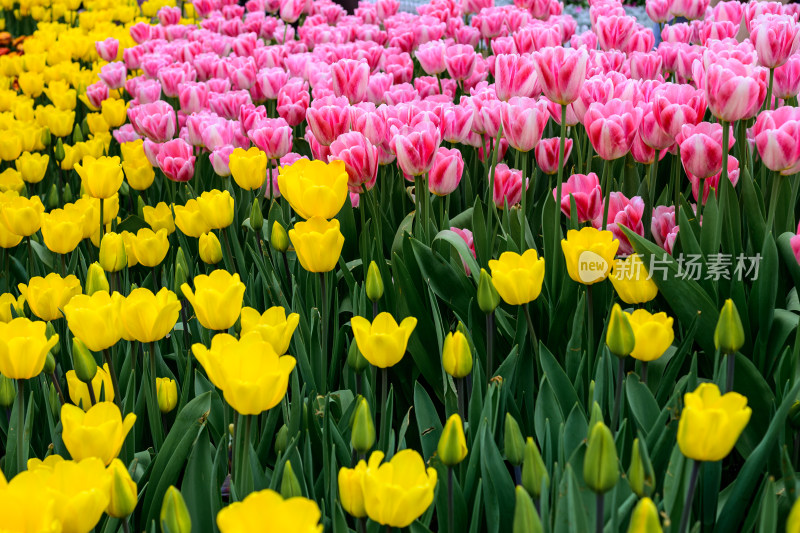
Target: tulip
x=488, y=297
x=546, y=153
x=189, y=219
x=47, y=296
x=313, y=188
x=176, y=160
x=589, y=254
x=216, y=299
x=523, y=121
x=11, y=147
x=216, y=208
x=460, y=61
x=11, y=181
x=373, y=283
x=350, y=78
x=328, y=118
x=734, y=91
x=248, y=167
x=600, y=469
x=507, y=186
x=585, y=189
x=641, y=477
x=32, y=166
x=139, y=173
x=22, y=216
x=112, y=256
x=274, y=326
x=675, y=105
x=452, y=447
x=351, y=493
x=729, y=333
x=416, y=147
x=148, y=317
x=83, y=362
x=11, y=307
x=123, y=493
x=382, y=342
x=318, y=244
x=526, y=517
x=167, y=392
x=612, y=127
x=102, y=388
x=562, y=72
x=360, y=158
x=701, y=149
x=291, y=514
x=95, y=319
x=632, y=282
x=149, y=247
x=101, y=177
x=653, y=332
x=62, y=231
x=174, y=515
x=363, y=431
x=518, y=278
x=445, y=174
x=623, y=213
x=399, y=491
x=278, y=238
x=159, y=217
x=23, y=348
x=209, y=248
x=787, y=78
x=620, y=338
x=515, y=75
x=775, y=38
x=776, y=137
x=99, y=432
x=273, y=136
x=252, y=376
x=644, y=518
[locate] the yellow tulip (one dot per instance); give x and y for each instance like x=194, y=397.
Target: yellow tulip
x=98, y=432
x=26, y=507
x=60, y=122
x=31, y=84
x=711, y=423
x=174, y=516
x=8, y=239
x=22, y=216
x=148, y=317
x=252, y=376
x=61, y=95
x=293, y=515
x=589, y=254
x=209, y=248
x=452, y=447
x=318, y=243
x=11, y=180
x=130, y=254
x=62, y=231
x=95, y=319
x=32, y=166
x=518, y=278
x=79, y=391
x=351, y=491
x=167, y=392
x=23, y=348
x=133, y=150
x=793, y=520
x=248, y=167
x=8, y=305
x=150, y=247
x=112, y=252
x=11, y=147
x=159, y=217
x=47, y=296
x=399, y=491
x=97, y=123
x=189, y=219
x=72, y=155
x=632, y=282
x=314, y=188
x=456, y=355
x=274, y=326
x=382, y=342
x=216, y=208
x=139, y=173
x=122, y=491
x=101, y=177
x=114, y=112
x=644, y=518
x=216, y=299
x=83, y=210
x=653, y=333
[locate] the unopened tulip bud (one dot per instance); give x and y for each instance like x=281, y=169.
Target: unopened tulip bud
x=290, y=486
x=167, y=392
x=279, y=239
x=46, y=137
x=52, y=197
x=209, y=248
x=729, y=335
x=526, y=519
x=83, y=361
x=281, y=439
x=49, y=364
x=174, y=514
x=534, y=473
x=374, y=282
x=53, y=400
x=363, y=432
x=123, y=493
x=50, y=330
x=8, y=391
x=59, y=150
x=140, y=205
x=597, y=413
x=488, y=297
x=124, y=189
x=355, y=359
x=85, y=130
x=256, y=217
x=77, y=134
x=644, y=518
x=96, y=279
x=513, y=441
x=619, y=335
x=181, y=272
x=452, y=448
x=67, y=196
x=457, y=355
x=641, y=476
x=600, y=468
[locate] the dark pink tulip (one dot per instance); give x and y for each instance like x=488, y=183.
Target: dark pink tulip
x=515, y=75
x=675, y=105
x=663, y=227
x=623, y=212
x=787, y=79
x=360, y=158
x=612, y=127
x=701, y=149
x=507, y=186
x=585, y=188
x=176, y=160
x=795, y=243
x=775, y=38
x=641, y=152
x=713, y=181
x=777, y=137
x=445, y=174
x=415, y=147
x=546, y=153
x=562, y=72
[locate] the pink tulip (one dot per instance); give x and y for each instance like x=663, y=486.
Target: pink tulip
x=220, y=160
x=614, y=31
x=486, y=146
x=490, y=22
x=360, y=159
x=754, y=9
x=192, y=96
x=445, y=174
x=623, y=212
x=169, y=15
x=113, y=74
x=555, y=112
x=507, y=186
x=386, y=8
x=515, y=75
x=228, y=104
x=318, y=151
x=676, y=33
x=777, y=136
x=546, y=153
x=587, y=39
x=730, y=11
x=107, y=49
x=775, y=37
x=125, y=133
x=612, y=127
x=787, y=79
x=431, y=57
x=460, y=61
x=273, y=136
x=415, y=147
x=217, y=133
x=562, y=72
x=701, y=149
x=650, y=132
x=641, y=40
x=328, y=118
x=96, y=93
x=585, y=189
x=379, y=83
x=470, y=242
x=645, y=65
x=156, y=121
x=140, y=32
x=713, y=181
x=663, y=227
x=176, y=160
x=675, y=105
x=293, y=101
x=690, y=9
x=172, y=77
x=734, y=91
x=457, y=125
x=718, y=31
x=291, y=10
x=523, y=122
x=350, y=79
x=658, y=10
x=268, y=83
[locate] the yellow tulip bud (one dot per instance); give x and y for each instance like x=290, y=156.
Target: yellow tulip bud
x=452, y=448
x=644, y=518
x=278, y=237
x=457, y=355
x=96, y=279
x=513, y=442
x=488, y=297
x=374, y=282
x=729, y=334
x=256, y=217
x=174, y=514
x=351, y=491
x=355, y=360
x=526, y=519
x=209, y=248
x=600, y=468
x=290, y=486
x=167, y=392
x=534, y=472
x=123, y=496
x=619, y=334
x=363, y=431
x=113, y=257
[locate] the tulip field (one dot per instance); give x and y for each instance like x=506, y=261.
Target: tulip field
x=271, y=266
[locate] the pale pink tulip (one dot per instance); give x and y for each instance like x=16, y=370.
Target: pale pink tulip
x=775, y=38
x=734, y=91
x=562, y=72
x=445, y=174
x=612, y=127
x=431, y=57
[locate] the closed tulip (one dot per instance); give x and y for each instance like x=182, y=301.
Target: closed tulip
x=139, y=173
x=734, y=91
x=216, y=208
x=653, y=332
x=729, y=333
x=585, y=189
x=644, y=518
x=100, y=177
x=248, y=167
x=382, y=342
x=562, y=72
x=174, y=516
x=32, y=166
x=600, y=465
x=274, y=326
x=11, y=181
x=351, y=491
x=159, y=217
x=446, y=172
x=457, y=355
x=150, y=247
x=114, y=112
x=518, y=278
x=22, y=216
x=452, y=447
x=314, y=188
x=11, y=307
x=79, y=391
x=23, y=348
x=318, y=243
x=167, y=392
x=296, y=515
x=216, y=299
x=632, y=282
x=209, y=248
x=122, y=491
x=148, y=317
x=775, y=134
x=589, y=254
x=95, y=319
x=47, y=296
x=190, y=220
x=398, y=491
x=99, y=432
x=523, y=121
x=612, y=127
x=711, y=423
x=252, y=376
x=112, y=252
x=62, y=231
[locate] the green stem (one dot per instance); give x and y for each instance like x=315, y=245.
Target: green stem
x=768, y=100
x=114, y=381
x=773, y=200
x=687, y=505
x=618, y=393
x=21, y=459
x=606, y=192
x=101, y=219
x=599, y=512
x=730, y=359
x=523, y=210
x=450, y=510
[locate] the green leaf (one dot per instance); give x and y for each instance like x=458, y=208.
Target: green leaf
x=562, y=386
x=643, y=406
x=428, y=422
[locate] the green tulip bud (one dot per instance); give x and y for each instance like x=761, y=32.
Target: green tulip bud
x=374, y=282
x=526, y=519
x=600, y=468
x=50, y=330
x=124, y=189
x=256, y=217
x=66, y=195
x=641, y=476
x=282, y=439
x=96, y=280
x=355, y=360
x=514, y=443
x=53, y=401
x=8, y=391
x=46, y=137
x=644, y=518
x=181, y=272
x=77, y=134
x=83, y=361
x=729, y=335
x=452, y=448
x=49, y=364
x=619, y=336
x=488, y=297
x=52, y=197
x=140, y=205
x=279, y=239
x=85, y=128
x=534, y=472
x=59, y=151
x=174, y=514
x=362, y=436
x=290, y=486
x=597, y=413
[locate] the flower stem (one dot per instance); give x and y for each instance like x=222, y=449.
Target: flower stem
x=114, y=381
x=618, y=393
x=730, y=359
x=768, y=99
x=606, y=192
x=599, y=512
x=687, y=505
x=489, y=344
x=450, y=510
x=21, y=459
